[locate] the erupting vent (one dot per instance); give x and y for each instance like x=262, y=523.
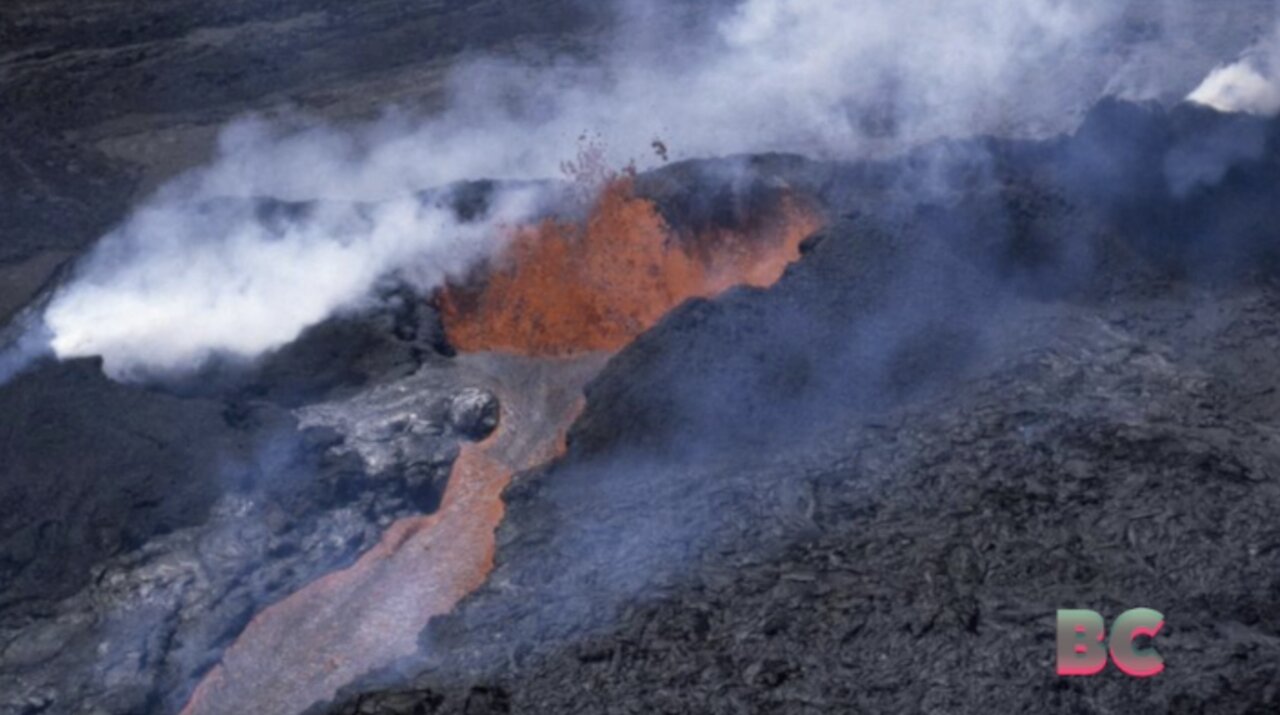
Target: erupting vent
x=563, y=289
x=568, y=287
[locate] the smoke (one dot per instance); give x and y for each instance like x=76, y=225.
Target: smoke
x=192, y=275
x=1251, y=85
x=183, y=281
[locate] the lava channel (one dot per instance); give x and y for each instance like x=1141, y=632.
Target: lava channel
x=304, y=648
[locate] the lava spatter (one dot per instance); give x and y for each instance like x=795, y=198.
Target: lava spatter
x=566, y=287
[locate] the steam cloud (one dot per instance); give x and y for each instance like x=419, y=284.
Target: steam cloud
x=180, y=282
x=1251, y=85
x=192, y=274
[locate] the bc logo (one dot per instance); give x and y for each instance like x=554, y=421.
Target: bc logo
x=1081, y=649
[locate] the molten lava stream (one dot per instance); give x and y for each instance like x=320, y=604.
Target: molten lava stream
x=535, y=332
x=306, y=647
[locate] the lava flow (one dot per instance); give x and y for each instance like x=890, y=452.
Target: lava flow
x=306, y=647
x=535, y=330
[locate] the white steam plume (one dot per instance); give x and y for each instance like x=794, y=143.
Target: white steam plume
x=178, y=283
x=181, y=282
x=1251, y=85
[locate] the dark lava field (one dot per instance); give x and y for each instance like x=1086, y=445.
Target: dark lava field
x=1003, y=374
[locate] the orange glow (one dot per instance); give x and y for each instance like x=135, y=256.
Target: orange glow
x=364, y=617
x=566, y=287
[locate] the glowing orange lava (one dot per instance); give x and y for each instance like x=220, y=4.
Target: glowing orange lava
x=304, y=648
x=324, y=634
x=567, y=287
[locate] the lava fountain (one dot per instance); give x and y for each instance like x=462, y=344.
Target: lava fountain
x=568, y=287
x=534, y=327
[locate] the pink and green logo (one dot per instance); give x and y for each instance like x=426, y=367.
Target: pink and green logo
x=1083, y=643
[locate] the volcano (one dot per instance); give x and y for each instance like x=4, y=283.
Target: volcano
x=535, y=328
x=856, y=342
